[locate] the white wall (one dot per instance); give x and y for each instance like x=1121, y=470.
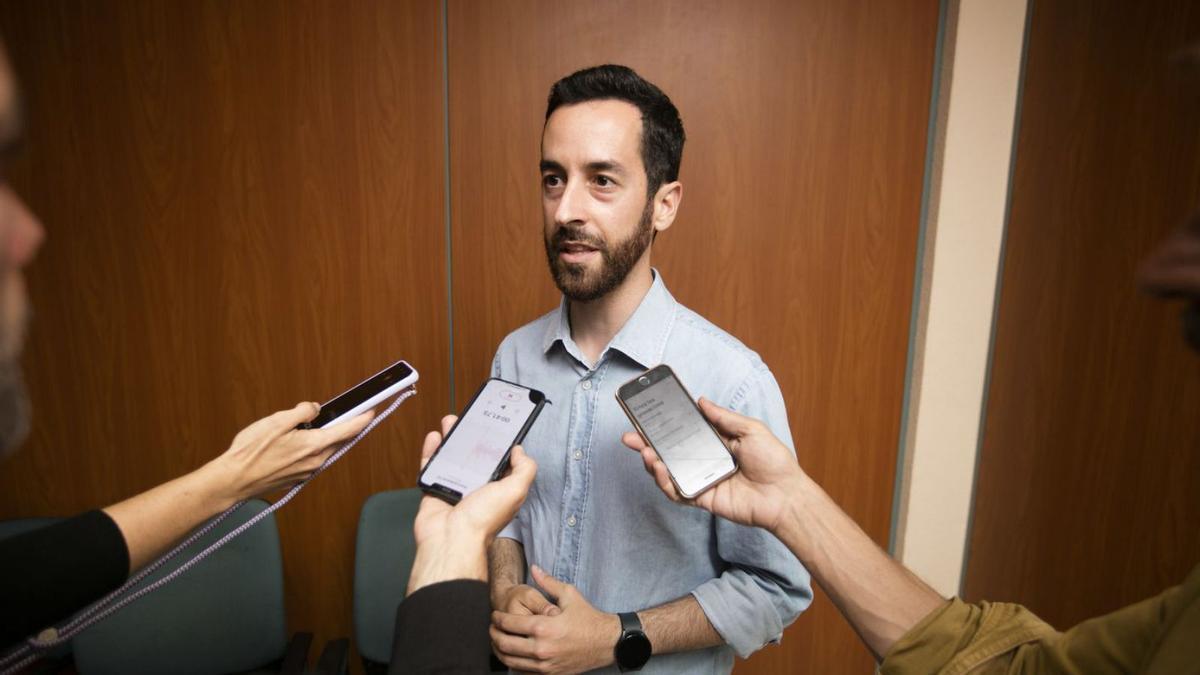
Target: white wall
x=982, y=57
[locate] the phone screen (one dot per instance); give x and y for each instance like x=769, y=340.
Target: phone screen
x=351, y=399
x=475, y=447
x=673, y=424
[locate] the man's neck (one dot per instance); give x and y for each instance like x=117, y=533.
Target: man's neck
x=595, y=323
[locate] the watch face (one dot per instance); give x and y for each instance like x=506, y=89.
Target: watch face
x=633, y=651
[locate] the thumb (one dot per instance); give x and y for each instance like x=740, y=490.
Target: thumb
x=553, y=586
x=729, y=423
x=523, y=468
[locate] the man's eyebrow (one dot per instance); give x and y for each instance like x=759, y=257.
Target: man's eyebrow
x=549, y=165
x=605, y=166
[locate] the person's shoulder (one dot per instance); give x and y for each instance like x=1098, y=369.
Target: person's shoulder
x=700, y=336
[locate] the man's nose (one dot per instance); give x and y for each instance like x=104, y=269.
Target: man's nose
x=570, y=204
x=21, y=233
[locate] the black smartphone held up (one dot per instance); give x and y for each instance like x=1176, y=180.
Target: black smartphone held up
x=667, y=417
x=364, y=395
x=476, y=450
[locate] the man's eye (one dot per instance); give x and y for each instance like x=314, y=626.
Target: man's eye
x=551, y=181
x=604, y=181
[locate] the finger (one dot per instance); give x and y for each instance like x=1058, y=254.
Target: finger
x=432, y=440
x=516, y=624
x=342, y=430
x=448, y=423
x=522, y=470
x=726, y=421
x=314, y=462
x=286, y=420
x=634, y=441
x=534, y=601
x=557, y=589
x=513, y=645
x=662, y=477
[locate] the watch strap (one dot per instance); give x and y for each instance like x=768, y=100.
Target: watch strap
x=629, y=623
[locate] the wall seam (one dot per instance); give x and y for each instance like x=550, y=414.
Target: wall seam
x=922, y=266
x=447, y=204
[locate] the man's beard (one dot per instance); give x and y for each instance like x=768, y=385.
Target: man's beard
x=14, y=400
x=580, y=285
x=1191, y=324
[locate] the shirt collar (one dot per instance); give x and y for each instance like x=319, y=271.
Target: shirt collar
x=643, y=338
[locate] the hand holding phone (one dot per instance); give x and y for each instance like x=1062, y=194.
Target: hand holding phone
x=476, y=449
x=667, y=417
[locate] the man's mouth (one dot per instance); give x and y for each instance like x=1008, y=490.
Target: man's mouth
x=576, y=252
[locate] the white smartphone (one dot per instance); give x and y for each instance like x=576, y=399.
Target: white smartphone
x=365, y=395
x=667, y=417
x=476, y=450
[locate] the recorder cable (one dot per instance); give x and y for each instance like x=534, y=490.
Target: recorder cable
x=34, y=647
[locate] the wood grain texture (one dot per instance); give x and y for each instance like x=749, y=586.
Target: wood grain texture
x=245, y=209
x=1090, y=463
x=797, y=233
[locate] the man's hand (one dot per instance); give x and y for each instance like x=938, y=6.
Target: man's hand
x=760, y=492
x=525, y=600
x=452, y=540
x=577, y=638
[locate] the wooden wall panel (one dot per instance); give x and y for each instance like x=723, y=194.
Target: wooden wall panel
x=1090, y=463
x=798, y=228
x=245, y=209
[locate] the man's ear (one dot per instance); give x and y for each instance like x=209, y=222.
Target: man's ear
x=666, y=205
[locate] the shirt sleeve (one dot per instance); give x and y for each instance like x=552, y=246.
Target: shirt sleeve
x=1001, y=637
x=443, y=628
x=512, y=530
x=765, y=587
x=50, y=573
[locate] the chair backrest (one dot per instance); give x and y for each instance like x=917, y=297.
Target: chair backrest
x=224, y=615
x=383, y=558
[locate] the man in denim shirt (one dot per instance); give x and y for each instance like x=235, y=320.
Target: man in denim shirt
x=615, y=570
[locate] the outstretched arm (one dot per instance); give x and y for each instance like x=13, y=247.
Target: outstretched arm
x=265, y=456
x=880, y=598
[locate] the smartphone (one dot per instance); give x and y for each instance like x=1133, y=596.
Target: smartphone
x=365, y=395
x=667, y=417
x=476, y=450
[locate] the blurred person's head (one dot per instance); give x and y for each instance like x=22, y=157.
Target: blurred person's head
x=611, y=149
x=20, y=236
x=1172, y=270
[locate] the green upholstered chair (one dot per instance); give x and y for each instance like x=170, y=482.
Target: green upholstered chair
x=383, y=558
x=224, y=615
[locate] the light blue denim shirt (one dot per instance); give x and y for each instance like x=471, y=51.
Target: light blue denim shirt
x=595, y=519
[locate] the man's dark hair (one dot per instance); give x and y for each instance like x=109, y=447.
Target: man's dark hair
x=662, y=130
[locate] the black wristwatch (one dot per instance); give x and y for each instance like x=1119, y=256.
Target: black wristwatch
x=633, y=647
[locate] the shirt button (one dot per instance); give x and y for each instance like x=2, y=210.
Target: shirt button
x=571, y=521
x=578, y=454
x=587, y=384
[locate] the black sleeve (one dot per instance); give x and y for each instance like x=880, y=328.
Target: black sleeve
x=48, y=574
x=443, y=628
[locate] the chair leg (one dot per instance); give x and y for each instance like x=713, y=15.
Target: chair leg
x=335, y=658
x=296, y=656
